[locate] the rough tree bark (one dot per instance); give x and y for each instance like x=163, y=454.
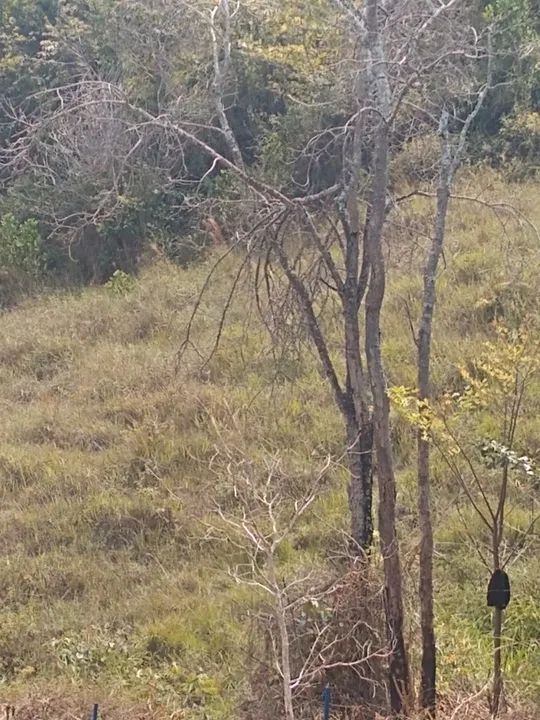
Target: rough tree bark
x=399, y=666
x=359, y=417
x=359, y=454
x=350, y=401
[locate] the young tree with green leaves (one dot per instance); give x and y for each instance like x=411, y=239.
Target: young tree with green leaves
x=496, y=476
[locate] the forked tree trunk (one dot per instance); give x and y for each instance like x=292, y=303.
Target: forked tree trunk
x=359, y=419
x=353, y=409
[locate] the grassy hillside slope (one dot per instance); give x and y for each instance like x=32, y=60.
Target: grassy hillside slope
x=111, y=586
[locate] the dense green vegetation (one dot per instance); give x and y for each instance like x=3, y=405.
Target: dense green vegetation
x=100, y=189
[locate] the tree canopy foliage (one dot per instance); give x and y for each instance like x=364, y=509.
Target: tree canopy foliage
x=286, y=96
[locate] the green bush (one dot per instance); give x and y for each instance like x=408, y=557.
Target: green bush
x=521, y=136
x=120, y=283
x=418, y=160
x=517, y=145
x=21, y=247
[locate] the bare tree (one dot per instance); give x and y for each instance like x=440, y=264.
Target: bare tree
x=264, y=514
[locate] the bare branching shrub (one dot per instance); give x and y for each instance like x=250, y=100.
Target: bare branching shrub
x=317, y=627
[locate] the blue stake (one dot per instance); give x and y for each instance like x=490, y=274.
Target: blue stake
x=95, y=712
x=326, y=698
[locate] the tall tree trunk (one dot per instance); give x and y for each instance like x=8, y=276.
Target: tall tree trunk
x=398, y=665
x=425, y=588
x=359, y=421
x=398, y=662
x=449, y=164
